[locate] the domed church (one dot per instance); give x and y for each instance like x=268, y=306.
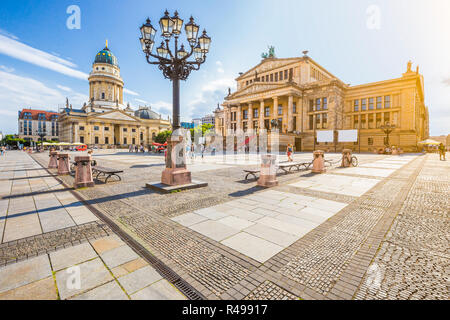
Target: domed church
x=105, y=120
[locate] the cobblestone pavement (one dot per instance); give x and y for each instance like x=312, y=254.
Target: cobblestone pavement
x=312, y=249
x=53, y=247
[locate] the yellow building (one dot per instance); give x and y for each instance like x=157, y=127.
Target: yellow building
x=300, y=97
x=105, y=120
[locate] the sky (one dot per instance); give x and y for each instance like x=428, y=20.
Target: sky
x=43, y=61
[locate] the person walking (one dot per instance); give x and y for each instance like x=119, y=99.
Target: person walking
x=289, y=151
x=441, y=151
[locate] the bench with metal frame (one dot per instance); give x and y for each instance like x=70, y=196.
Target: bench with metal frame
x=107, y=172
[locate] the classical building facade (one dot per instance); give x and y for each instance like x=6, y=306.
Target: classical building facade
x=31, y=122
x=105, y=120
x=299, y=97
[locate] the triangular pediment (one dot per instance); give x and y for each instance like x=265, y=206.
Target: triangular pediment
x=269, y=64
x=257, y=87
x=115, y=115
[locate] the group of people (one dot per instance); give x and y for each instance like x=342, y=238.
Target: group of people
x=442, y=151
x=136, y=148
x=2, y=150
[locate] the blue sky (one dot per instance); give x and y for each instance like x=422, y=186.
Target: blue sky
x=42, y=61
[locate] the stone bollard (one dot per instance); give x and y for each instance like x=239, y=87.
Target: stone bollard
x=83, y=172
x=346, y=158
x=318, y=162
x=268, y=176
x=63, y=164
x=53, y=163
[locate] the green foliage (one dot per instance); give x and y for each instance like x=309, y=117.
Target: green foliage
x=163, y=136
x=11, y=141
x=201, y=130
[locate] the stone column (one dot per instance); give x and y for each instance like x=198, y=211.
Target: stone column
x=268, y=177
x=261, y=114
x=290, y=119
x=63, y=164
x=250, y=116
x=239, y=117
x=176, y=172
x=53, y=163
x=275, y=108
x=83, y=172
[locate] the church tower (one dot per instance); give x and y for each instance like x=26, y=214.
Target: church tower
x=105, y=83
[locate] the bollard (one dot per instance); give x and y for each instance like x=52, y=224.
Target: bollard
x=83, y=172
x=53, y=163
x=63, y=164
x=346, y=158
x=176, y=172
x=318, y=162
x=268, y=177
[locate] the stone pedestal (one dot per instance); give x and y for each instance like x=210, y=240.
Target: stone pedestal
x=346, y=158
x=176, y=172
x=63, y=164
x=83, y=172
x=318, y=162
x=53, y=163
x=268, y=176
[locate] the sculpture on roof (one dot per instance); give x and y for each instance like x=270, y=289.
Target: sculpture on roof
x=269, y=54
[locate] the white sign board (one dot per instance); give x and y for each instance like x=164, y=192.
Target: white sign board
x=325, y=136
x=347, y=135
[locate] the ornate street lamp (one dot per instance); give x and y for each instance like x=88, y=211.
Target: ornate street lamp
x=175, y=65
x=174, y=62
x=42, y=135
x=387, y=129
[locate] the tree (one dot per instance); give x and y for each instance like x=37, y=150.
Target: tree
x=163, y=136
x=201, y=130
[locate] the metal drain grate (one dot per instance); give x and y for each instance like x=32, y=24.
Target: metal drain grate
x=159, y=266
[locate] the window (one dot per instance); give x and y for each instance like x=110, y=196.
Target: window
x=355, y=122
x=267, y=111
x=311, y=122
x=294, y=107
x=245, y=114
x=370, y=103
x=281, y=75
x=255, y=113
x=106, y=128
x=96, y=128
x=318, y=121
x=311, y=105
x=325, y=103
x=285, y=74
x=271, y=77
x=317, y=104
x=133, y=130
x=363, y=122
x=96, y=140
x=379, y=101
x=276, y=77
x=370, y=141
x=267, y=78
x=142, y=136
x=325, y=120
x=356, y=105
x=125, y=130
x=244, y=126
x=363, y=104
x=371, y=121
x=82, y=139
x=387, y=101
x=255, y=124
x=246, y=83
x=106, y=140
x=103, y=96
x=81, y=128
x=387, y=117
x=133, y=140
x=280, y=123
x=280, y=109
x=378, y=117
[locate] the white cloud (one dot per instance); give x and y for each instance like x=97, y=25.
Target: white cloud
x=15, y=49
x=127, y=91
x=7, y=69
x=17, y=92
x=210, y=94
x=10, y=35
x=141, y=101
x=220, y=67
x=67, y=89
x=162, y=107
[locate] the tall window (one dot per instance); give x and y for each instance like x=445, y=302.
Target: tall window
x=267, y=78
x=355, y=122
x=317, y=104
x=311, y=105
x=378, y=118
x=387, y=117
x=281, y=75
x=356, y=105
x=363, y=121
x=325, y=103
x=325, y=120
x=245, y=114
x=285, y=74
x=370, y=141
x=387, y=101
x=267, y=111
x=363, y=104
x=370, y=103
x=370, y=120
x=276, y=77
x=311, y=122
x=379, y=102
x=294, y=107
x=255, y=113
x=280, y=109
x=318, y=121
x=271, y=77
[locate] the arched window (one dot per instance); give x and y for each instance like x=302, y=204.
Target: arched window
x=153, y=135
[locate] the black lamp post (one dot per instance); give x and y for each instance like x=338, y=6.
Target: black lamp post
x=41, y=135
x=387, y=129
x=174, y=64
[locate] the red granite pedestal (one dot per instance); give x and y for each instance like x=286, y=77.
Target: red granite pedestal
x=53, y=162
x=318, y=162
x=63, y=164
x=268, y=176
x=346, y=158
x=83, y=172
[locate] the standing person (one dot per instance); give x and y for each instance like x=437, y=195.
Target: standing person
x=202, y=149
x=192, y=151
x=130, y=149
x=289, y=151
x=441, y=151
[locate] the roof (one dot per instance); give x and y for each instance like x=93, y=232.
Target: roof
x=35, y=113
x=68, y=110
x=106, y=56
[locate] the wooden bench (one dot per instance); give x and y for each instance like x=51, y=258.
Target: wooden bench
x=286, y=167
x=107, y=172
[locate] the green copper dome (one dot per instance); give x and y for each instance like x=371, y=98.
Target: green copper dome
x=106, y=56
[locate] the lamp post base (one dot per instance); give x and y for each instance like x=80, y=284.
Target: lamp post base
x=176, y=176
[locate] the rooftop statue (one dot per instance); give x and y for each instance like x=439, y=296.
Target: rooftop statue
x=270, y=53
